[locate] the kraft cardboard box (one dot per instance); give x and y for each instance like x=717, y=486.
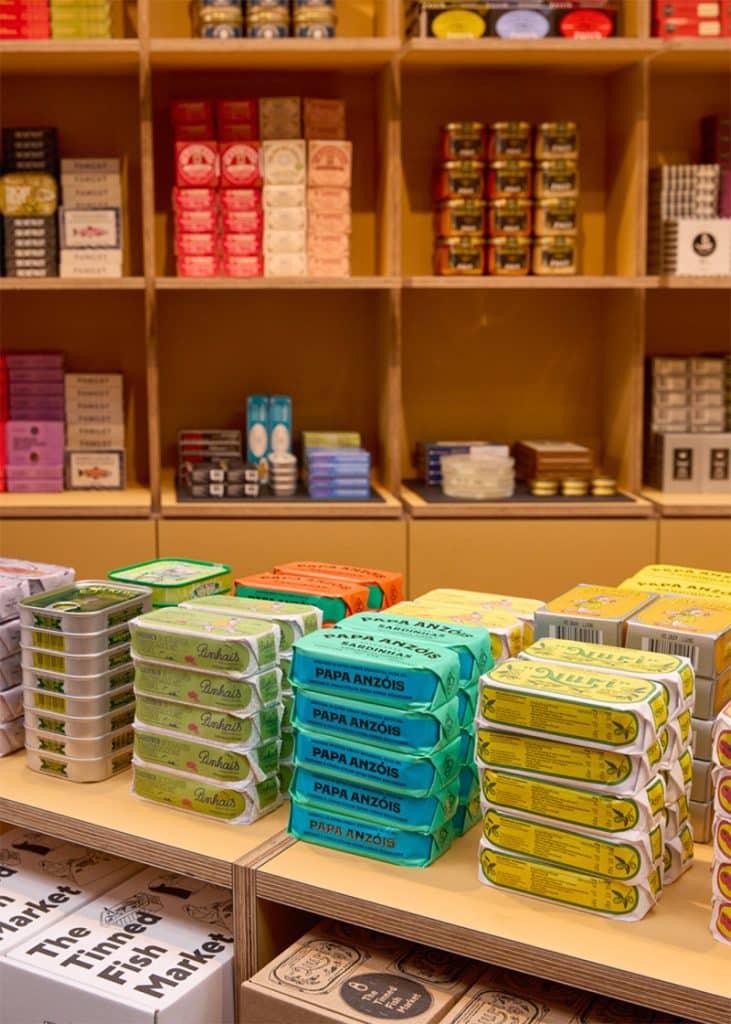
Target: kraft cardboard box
x=42, y=879
x=341, y=973
x=500, y=995
x=157, y=949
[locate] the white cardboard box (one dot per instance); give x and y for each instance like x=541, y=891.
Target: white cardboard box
x=157, y=949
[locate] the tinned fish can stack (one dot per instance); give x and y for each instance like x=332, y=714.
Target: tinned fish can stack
x=721, y=903
x=506, y=199
x=29, y=201
x=77, y=678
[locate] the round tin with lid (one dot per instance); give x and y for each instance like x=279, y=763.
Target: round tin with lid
x=510, y=139
x=554, y=255
x=460, y=217
x=556, y=215
x=315, y=22
x=463, y=140
x=509, y=179
x=460, y=179
x=508, y=255
x=510, y=217
x=459, y=254
x=556, y=178
x=557, y=140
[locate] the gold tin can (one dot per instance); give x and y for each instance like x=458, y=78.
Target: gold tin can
x=510, y=179
x=460, y=217
x=510, y=140
x=554, y=255
x=557, y=140
x=556, y=178
x=460, y=179
x=463, y=140
x=459, y=255
x=556, y=215
x=508, y=256
x=510, y=217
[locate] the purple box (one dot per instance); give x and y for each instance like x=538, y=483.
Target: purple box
x=50, y=409
x=21, y=474
x=36, y=374
x=34, y=443
x=29, y=360
x=29, y=389
x=44, y=485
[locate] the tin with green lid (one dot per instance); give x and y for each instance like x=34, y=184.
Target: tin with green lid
x=174, y=580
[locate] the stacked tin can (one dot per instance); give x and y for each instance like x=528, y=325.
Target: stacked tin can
x=496, y=190
x=77, y=678
x=28, y=201
x=721, y=905
x=263, y=19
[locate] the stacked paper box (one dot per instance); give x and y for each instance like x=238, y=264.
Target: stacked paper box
x=34, y=431
x=94, y=431
x=90, y=218
x=209, y=711
x=29, y=202
x=81, y=19
x=24, y=19
x=18, y=580
x=688, y=395
x=721, y=906
x=157, y=948
x=686, y=235
x=338, y=473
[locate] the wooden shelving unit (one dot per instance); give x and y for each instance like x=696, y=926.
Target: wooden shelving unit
x=394, y=351
x=421, y=508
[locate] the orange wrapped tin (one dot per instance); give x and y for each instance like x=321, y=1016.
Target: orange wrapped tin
x=510, y=217
x=510, y=179
x=510, y=140
x=460, y=179
x=463, y=140
x=508, y=256
x=556, y=178
x=385, y=588
x=459, y=255
x=460, y=217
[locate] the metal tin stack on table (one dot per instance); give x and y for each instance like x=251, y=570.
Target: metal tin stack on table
x=18, y=580
x=77, y=678
x=721, y=905
x=207, y=735
x=507, y=198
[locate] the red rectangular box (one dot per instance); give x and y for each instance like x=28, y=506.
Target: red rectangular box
x=237, y=132
x=243, y=266
x=241, y=245
x=196, y=243
x=196, y=221
x=240, y=199
x=240, y=164
x=195, y=199
x=243, y=222
x=237, y=111
x=188, y=132
x=191, y=111
x=196, y=164
x=198, y=266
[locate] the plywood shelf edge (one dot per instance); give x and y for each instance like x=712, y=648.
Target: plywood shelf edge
x=418, y=508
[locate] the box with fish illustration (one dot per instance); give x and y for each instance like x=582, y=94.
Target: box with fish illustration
x=95, y=470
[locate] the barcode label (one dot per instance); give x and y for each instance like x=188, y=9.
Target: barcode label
x=47, y=702
x=579, y=634
x=666, y=645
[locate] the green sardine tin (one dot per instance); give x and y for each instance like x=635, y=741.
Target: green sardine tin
x=378, y=668
x=208, y=689
x=206, y=640
x=236, y=806
x=467, y=706
x=285, y=665
x=224, y=764
x=210, y=723
x=417, y=732
x=294, y=620
x=409, y=775
x=371, y=803
x=471, y=644
x=380, y=841
x=174, y=580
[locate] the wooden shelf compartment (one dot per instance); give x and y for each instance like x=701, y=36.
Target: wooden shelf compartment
x=341, y=54
x=489, y=365
x=106, y=335
x=569, y=283
x=92, y=546
x=608, y=111
x=387, y=508
x=689, y=56
x=68, y=284
x=107, y=816
x=590, y=56
x=668, y=961
x=69, y=57
x=421, y=508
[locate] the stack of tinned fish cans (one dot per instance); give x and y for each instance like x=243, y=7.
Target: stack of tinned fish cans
x=29, y=200
x=569, y=758
x=90, y=217
x=81, y=19
x=77, y=678
x=721, y=906
x=509, y=624
x=18, y=579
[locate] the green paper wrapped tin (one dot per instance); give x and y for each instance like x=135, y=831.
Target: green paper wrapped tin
x=236, y=806
x=209, y=760
x=294, y=620
x=207, y=689
x=209, y=723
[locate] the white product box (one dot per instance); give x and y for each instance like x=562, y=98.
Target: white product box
x=287, y=218
x=698, y=247
x=284, y=241
x=283, y=195
x=111, y=166
x=157, y=949
x=95, y=470
x=99, y=190
x=284, y=161
x=43, y=879
x=90, y=228
x=91, y=263
x=94, y=437
x=285, y=264
x=716, y=462
x=673, y=462
x=93, y=384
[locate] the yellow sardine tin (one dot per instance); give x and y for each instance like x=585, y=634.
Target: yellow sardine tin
x=598, y=708
x=569, y=887
x=685, y=586
x=523, y=608
x=589, y=613
x=687, y=626
x=673, y=673
x=605, y=770
x=613, y=814
x=610, y=858
x=505, y=629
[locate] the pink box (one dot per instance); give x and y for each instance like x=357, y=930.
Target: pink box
x=189, y=132
x=191, y=111
x=319, y=266
x=34, y=472
x=243, y=222
x=31, y=360
x=328, y=246
x=35, y=409
x=198, y=266
x=243, y=266
x=241, y=245
x=237, y=112
x=35, y=442
x=236, y=132
x=51, y=484
x=196, y=220
x=195, y=199
x=240, y=199
x=200, y=243
x=240, y=165
x=28, y=388
x=196, y=164
x=321, y=222
x=35, y=375
x=328, y=200
x=329, y=162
